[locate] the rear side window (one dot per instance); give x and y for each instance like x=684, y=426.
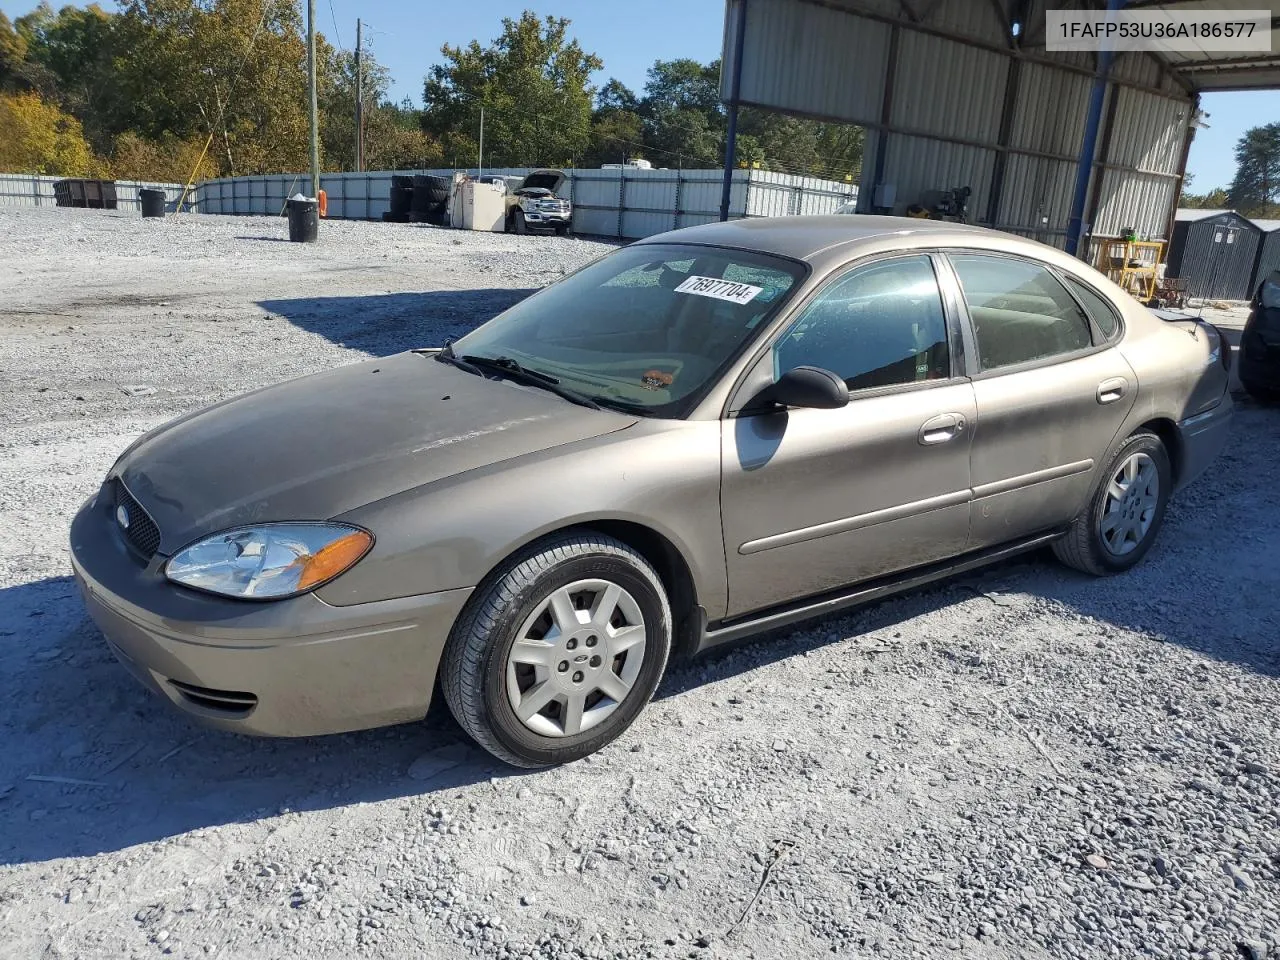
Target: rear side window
x=1020, y=311
x=1103, y=314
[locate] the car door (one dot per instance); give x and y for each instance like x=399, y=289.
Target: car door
x=1051, y=395
x=815, y=499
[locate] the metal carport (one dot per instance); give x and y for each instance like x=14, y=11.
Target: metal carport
x=963, y=93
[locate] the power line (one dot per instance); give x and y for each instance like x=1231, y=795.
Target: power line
x=337, y=35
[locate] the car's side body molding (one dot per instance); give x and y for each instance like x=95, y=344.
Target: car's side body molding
x=740, y=628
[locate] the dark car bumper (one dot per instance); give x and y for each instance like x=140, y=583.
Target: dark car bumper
x=1259, y=367
x=1202, y=439
x=295, y=667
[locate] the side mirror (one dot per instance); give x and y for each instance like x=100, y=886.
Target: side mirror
x=806, y=387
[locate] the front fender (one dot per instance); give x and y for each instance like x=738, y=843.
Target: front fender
x=663, y=475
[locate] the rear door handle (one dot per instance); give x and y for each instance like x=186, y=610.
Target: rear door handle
x=1109, y=391
x=941, y=428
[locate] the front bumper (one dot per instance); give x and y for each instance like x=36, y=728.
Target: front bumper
x=1202, y=439
x=288, y=668
x=546, y=218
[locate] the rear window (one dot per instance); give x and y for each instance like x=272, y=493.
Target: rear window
x=1101, y=312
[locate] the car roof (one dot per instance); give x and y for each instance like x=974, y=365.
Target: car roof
x=804, y=238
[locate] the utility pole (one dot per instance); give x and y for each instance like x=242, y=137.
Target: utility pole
x=359, y=100
x=315, y=109
x=480, y=165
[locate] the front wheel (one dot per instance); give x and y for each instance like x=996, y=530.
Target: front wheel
x=522, y=227
x=559, y=650
x=1125, y=513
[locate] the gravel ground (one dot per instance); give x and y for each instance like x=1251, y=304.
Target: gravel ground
x=1023, y=764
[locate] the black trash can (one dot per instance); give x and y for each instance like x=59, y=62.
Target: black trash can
x=304, y=221
x=152, y=202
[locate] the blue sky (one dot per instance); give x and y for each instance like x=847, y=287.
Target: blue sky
x=630, y=34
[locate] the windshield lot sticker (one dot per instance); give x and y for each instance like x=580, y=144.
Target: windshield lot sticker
x=656, y=379
x=719, y=289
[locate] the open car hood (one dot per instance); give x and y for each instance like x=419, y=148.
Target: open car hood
x=549, y=180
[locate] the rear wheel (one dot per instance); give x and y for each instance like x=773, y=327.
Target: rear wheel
x=1126, y=511
x=559, y=651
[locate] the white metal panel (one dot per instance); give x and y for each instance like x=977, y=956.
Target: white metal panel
x=1050, y=110
x=815, y=60
x=1134, y=200
x=979, y=19
x=1036, y=189
x=1149, y=131
x=960, y=95
x=916, y=165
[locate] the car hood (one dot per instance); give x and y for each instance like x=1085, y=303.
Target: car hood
x=549, y=180
x=319, y=446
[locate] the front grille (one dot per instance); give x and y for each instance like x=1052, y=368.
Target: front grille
x=142, y=533
x=231, y=703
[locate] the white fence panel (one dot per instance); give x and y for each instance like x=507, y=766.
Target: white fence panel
x=623, y=203
x=27, y=190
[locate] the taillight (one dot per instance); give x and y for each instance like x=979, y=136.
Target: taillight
x=1224, y=346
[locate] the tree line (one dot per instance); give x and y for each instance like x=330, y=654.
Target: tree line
x=172, y=89
x=141, y=93
x=1255, y=189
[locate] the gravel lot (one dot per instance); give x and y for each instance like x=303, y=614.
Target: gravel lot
x=1023, y=764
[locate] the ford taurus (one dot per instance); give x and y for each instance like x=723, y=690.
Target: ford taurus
x=697, y=437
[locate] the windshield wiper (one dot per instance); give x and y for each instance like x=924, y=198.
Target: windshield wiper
x=622, y=406
x=446, y=355
x=533, y=378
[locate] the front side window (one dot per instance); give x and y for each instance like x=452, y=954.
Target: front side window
x=881, y=325
x=1020, y=311
x=650, y=327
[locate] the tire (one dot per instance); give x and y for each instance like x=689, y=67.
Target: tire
x=485, y=678
x=562, y=230
x=1087, y=546
x=521, y=226
x=1261, y=394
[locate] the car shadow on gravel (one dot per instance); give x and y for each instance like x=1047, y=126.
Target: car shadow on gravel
x=91, y=762
x=389, y=323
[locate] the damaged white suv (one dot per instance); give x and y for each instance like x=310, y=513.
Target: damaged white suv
x=532, y=204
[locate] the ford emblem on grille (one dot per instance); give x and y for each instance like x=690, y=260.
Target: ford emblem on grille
x=122, y=516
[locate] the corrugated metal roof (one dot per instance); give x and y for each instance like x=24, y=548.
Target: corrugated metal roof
x=834, y=67
x=1194, y=213
x=1266, y=226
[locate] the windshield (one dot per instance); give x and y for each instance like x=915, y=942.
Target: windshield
x=650, y=327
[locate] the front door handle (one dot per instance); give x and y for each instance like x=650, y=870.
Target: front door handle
x=1109, y=391
x=941, y=428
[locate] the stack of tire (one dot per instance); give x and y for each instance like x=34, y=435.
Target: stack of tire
x=401, y=200
x=430, y=203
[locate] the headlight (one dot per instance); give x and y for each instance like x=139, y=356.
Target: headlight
x=270, y=561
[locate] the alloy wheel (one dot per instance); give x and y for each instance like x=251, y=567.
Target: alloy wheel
x=1133, y=494
x=575, y=658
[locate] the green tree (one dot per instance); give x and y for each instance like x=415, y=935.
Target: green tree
x=533, y=84
x=1215, y=199
x=236, y=68
x=1255, y=191
x=74, y=51
x=13, y=57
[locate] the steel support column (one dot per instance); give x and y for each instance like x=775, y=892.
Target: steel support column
x=1088, y=148
x=735, y=93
